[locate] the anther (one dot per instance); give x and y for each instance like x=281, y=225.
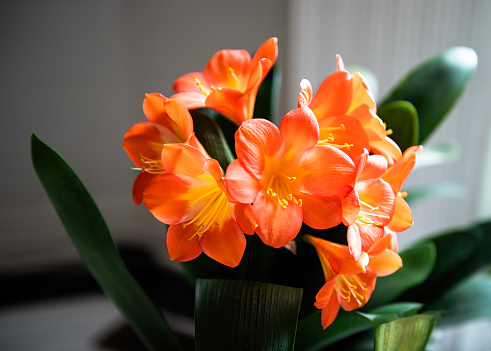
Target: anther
x=403, y=194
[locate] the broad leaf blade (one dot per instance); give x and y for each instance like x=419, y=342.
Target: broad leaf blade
x=90, y=235
x=459, y=254
x=402, y=119
x=405, y=334
x=435, y=86
x=311, y=336
x=471, y=300
x=418, y=263
x=240, y=315
x=211, y=137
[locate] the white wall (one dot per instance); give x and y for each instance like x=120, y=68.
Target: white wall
x=75, y=72
x=390, y=37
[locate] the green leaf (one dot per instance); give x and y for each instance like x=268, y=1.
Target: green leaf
x=405, y=334
x=435, y=86
x=389, y=313
x=432, y=155
x=240, y=315
x=418, y=262
x=471, y=300
x=402, y=119
x=88, y=232
x=459, y=254
x=211, y=137
x=311, y=336
x=267, y=98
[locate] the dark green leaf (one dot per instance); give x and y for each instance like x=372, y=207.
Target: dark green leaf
x=459, y=254
x=267, y=98
x=240, y=315
x=405, y=334
x=418, y=263
x=435, y=86
x=471, y=300
x=402, y=119
x=90, y=235
x=211, y=137
x=389, y=313
x=311, y=336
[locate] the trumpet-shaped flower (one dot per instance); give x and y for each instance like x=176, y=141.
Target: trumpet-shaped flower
x=346, y=111
x=168, y=122
x=396, y=175
x=192, y=198
x=287, y=176
x=349, y=283
x=369, y=207
x=229, y=82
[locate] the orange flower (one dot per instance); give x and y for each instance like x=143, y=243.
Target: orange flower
x=169, y=122
x=287, y=176
x=229, y=82
x=396, y=175
x=369, y=207
x=350, y=283
x=346, y=111
x=192, y=198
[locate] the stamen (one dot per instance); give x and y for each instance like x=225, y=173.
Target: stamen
x=374, y=215
x=369, y=206
x=389, y=132
x=403, y=194
x=201, y=86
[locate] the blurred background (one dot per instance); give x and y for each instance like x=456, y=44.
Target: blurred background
x=75, y=73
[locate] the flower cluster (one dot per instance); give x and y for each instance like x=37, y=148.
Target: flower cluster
x=329, y=162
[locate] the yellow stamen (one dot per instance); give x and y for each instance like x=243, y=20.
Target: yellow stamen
x=403, y=194
x=201, y=86
x=280, y=191
x=369, y=206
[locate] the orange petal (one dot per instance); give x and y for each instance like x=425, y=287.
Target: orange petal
x=191, y=99
x=378, y=194
x=277, y=225
x=163, y=196
x=179, y=246
x=362, y=94
x=141, y=182
x=402, y=218
x=344, y=132
x=369, y=235
x=225, y=244
x=218, y=72
x=369, y=286
x=180, y=115
x=328, y=171
x=182, y=159
x=387, y=148
x=300, y=130
x=397, y=173
x=153, y=107
x=351, y=207
x=330, y=311
x=324, y=295
x=376, y=166
x=305, y=95
x=187, y=83
x=268, y=50
x=231, y=103
x=241, y=185
x=387, y=262
x=193, y=141
x=146, y=139
x=255, y=141
x=333, y=96
x=380, y=245
x=373, y=125
x=245, y=218
x=354, y=241
x=321, y=212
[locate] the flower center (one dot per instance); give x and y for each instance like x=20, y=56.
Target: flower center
x=351, y=287
x=366, y=213
x=329, y=139
x=203, y=88
x=150, y=165
x=213, y=213
x=280, y=190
